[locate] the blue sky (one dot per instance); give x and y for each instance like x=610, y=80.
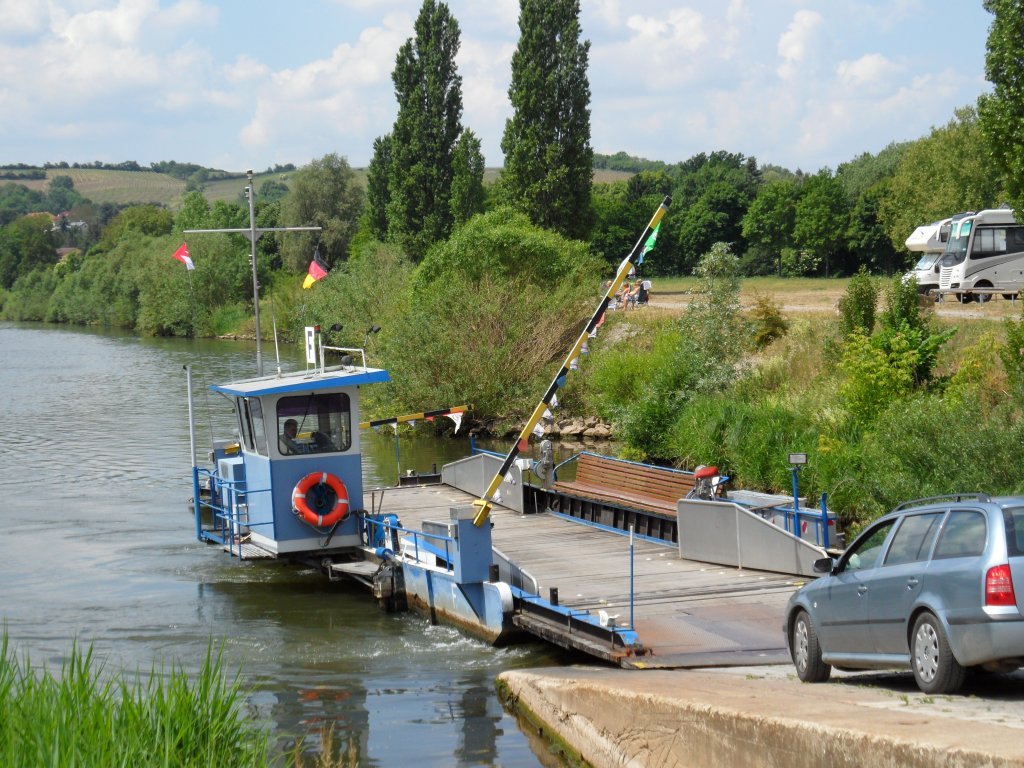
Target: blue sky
x=242, y=84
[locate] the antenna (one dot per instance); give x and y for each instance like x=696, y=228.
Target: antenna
x=277, y=351
x=253, y=233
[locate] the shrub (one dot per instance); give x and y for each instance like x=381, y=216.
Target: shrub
x=490, y=315
x=925, y=446
x=903, y=322
x=1012, y=356
x=748, y=440
x=769, y=324
x=618, y=374
x=875, y=377
x=857, y=306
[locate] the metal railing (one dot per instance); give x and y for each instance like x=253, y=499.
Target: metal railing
x=397, y=532
x=230, y=515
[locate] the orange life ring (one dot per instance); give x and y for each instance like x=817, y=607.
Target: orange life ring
x=301, y=507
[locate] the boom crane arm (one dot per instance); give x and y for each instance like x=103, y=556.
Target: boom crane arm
x=485, y=502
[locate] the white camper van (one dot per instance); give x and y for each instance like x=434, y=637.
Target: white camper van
x=930, y=241
x=984, y=251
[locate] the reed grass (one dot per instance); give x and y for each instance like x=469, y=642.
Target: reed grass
x=90, y=716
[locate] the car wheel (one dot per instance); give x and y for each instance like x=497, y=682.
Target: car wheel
x=935, y=669
x=806, y=651
x=1009, y=296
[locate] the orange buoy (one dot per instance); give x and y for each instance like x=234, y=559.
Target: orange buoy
x=300, y=506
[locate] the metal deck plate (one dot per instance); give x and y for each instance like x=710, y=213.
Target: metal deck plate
x=687, y=614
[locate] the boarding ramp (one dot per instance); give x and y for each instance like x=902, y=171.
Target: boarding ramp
x=474, y=473
x=728, y=534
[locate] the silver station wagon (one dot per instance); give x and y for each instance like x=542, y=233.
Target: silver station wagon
x=929, y=587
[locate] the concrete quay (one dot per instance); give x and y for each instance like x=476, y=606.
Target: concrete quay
x=764, y=716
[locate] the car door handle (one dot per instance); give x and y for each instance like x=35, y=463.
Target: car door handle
x=861, y=589
x=912, y=582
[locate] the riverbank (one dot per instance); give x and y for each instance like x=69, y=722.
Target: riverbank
x=763, y=716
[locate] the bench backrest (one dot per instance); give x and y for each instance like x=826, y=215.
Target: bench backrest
x=637, y=479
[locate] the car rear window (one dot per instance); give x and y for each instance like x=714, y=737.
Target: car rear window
x=1014, y=521
x=913, y=540
x=962, y=536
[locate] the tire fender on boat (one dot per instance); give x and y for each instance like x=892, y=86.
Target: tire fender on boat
x=301, y=507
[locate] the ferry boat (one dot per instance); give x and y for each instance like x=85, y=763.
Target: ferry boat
x=290, y=487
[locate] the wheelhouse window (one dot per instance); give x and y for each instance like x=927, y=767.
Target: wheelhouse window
x=251, y=425
x=314, y=424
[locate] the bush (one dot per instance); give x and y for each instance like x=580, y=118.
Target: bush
x=619, y=374
x=925, y=446
x=857, y=306
x=490, y=315
x=1012, y=356
x=769, y=324
x=875, y=377
x=749, y=441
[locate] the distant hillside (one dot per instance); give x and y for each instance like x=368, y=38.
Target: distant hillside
x=127, y=187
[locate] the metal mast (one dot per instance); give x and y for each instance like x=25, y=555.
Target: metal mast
x=253, y=233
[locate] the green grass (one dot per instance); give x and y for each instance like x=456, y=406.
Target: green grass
x=89, y=716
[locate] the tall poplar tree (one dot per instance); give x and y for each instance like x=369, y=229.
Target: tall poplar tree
x=548, y=158
x=429, y=93
x=1001, y=112
x=378, y=192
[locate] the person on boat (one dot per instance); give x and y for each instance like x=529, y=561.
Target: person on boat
x=287, y=442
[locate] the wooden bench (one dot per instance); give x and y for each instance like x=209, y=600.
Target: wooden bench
x=640, y=486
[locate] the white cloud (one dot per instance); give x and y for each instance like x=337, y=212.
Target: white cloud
x=797, y=41
x=682, y=29
x=245, y=68
x=870, y=72
x=338, y=94
x=737, y=12
x=22, y=19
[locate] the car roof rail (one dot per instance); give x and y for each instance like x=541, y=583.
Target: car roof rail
x=982, y=497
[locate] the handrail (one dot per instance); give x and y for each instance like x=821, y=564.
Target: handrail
x=228, y=519
x=563, y=463
x=628, y=461
x=486, y=452
x=416, y=535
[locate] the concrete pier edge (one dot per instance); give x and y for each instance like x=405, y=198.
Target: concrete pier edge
x=609, y=717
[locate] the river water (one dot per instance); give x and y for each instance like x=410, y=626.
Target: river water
x=99, y=547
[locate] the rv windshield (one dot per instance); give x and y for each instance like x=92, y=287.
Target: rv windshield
x=956, y=248
x=927, y=261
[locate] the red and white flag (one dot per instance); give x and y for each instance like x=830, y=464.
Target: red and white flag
x=182, y=255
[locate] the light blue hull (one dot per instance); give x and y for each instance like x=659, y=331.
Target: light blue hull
x=483, y=609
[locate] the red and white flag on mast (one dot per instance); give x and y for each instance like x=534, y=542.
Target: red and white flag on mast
x=182, y=255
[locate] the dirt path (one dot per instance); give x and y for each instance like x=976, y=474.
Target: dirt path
x=826, y=302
